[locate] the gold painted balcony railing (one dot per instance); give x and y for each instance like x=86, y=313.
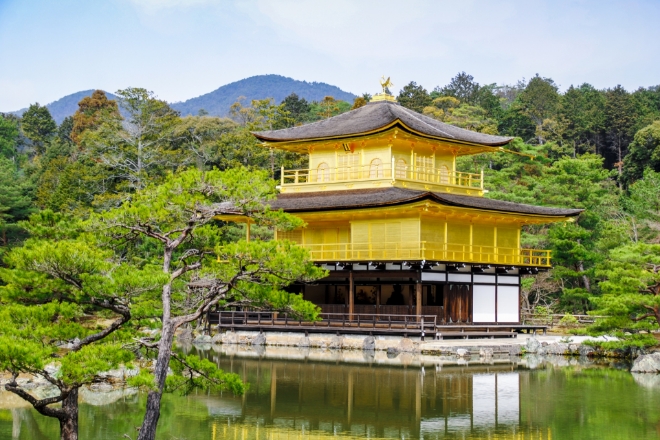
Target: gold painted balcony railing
x=397, y=251
x=326, y=176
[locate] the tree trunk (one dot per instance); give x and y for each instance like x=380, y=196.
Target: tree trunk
x=150, y=423
x=69, y=420
x=585, y=278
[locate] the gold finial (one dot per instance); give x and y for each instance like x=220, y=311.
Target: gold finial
x=386, y=84
x=386, y=95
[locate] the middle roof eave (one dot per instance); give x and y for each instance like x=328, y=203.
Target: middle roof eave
x=392, y=196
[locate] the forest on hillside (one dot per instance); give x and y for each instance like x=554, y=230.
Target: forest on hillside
x=581, y=148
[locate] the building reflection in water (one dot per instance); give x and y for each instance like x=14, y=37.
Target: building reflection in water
x=318, y=399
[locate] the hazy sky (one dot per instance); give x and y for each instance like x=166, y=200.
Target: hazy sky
x=185, y=48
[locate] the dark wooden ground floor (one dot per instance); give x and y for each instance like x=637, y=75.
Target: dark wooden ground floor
x=459, y=297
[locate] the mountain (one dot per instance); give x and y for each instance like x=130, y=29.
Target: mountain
x=217, y=102
x=278, y=87
x=65, y=106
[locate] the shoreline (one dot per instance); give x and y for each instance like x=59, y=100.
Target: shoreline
x=516, y=346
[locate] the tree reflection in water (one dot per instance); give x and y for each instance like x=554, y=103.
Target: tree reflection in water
x=303, y=394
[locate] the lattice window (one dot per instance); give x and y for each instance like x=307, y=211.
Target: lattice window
x=423, y=168
x=323, y=172
x=295, y=235
x=349, y=166
x=444, y=174
x=376, y=169
x=401, y=167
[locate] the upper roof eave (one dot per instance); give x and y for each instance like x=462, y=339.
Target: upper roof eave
x=396, y=124
x=377, y=117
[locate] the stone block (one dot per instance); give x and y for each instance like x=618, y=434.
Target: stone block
x=369, y=343
x=647, y=363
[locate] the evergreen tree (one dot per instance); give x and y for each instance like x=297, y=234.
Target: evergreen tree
x=414, y=97
x=539, y=101
x=65, y=129
x=644, y=152
x=38, y=125
x=631, y=288
x=462, y=87
x=581, y=112
x=619, y=122
x=92, y=111
x=201, y=270
x=15, y=203
x=54, y=285
x=297, y=108
x=8, y=137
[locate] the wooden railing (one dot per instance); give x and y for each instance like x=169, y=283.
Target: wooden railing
x=423, y=250
x=382, y=171
x=553, y=320
x=330, y=322
x=385, y=310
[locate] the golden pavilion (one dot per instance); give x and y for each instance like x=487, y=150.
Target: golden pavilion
x=399, y=228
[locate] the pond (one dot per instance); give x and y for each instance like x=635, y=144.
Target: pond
x=297, y=394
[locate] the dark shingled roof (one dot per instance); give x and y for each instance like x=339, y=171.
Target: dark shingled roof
x=372, y=198
x=377, y=115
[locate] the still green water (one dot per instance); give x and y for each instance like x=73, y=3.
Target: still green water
x=315, y=395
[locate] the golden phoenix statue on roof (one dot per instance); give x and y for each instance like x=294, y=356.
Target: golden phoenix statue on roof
x=386, y=84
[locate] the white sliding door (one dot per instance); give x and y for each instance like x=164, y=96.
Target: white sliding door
x=483, y=303
x=508, y=303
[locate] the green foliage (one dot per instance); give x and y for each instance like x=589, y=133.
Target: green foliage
x=414, y=97
x=38, y=125
x=139, y=148
x=298, y=110
x=619, y=121
x=539, y=100
x=8, y=137
x=64, y=131
x=581, y=113
x=644, y=153
x=568, y=321
x=643, y=204
x=624, y=342
x=15, y=202
x=449, y=109
x=631, y=288
x=327, y=108
x=193, y=373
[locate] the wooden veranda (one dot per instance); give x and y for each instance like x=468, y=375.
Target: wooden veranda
x=425, y=326
x=342, y=323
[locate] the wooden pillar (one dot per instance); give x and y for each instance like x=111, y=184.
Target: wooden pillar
x=379, y=288
x=351, y=296
x=247, y=231
x=418, y=300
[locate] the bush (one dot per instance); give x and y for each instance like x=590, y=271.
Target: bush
x=578, y=331
x=568, y=321
x=625, y=342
